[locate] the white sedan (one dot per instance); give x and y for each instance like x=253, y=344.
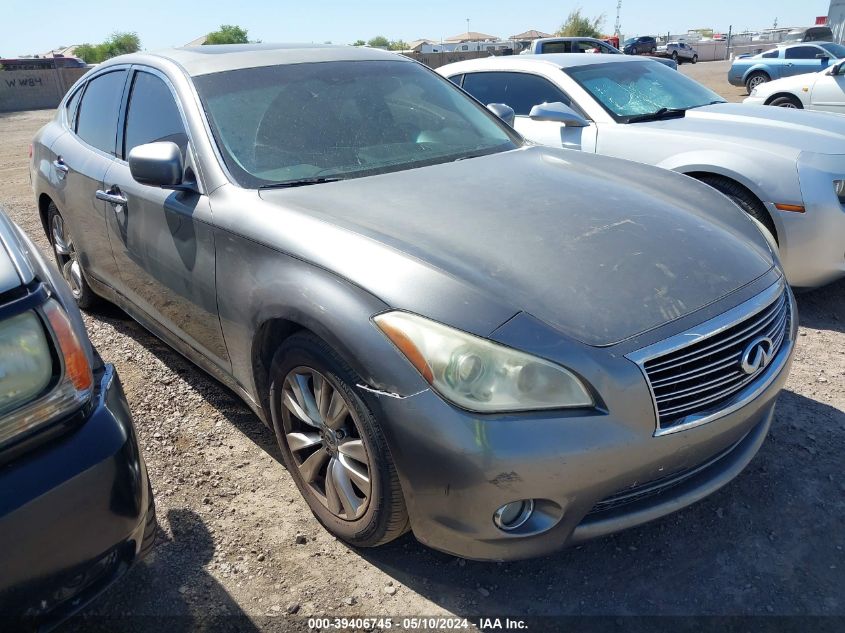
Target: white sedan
x=823, y=91
x=786, y=169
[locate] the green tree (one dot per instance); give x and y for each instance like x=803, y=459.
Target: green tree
x=379, y=41
x=118, y=43
x=228, y=34
x=359, y=43
x=397, y=45
x=579, y=25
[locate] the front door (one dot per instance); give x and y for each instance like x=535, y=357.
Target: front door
x=800, y=60
x=828, y=93
x=522, y=91
x=163, y=239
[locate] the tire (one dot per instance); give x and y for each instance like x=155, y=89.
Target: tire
x=675, y=57
x=746, y=200
x=756, y=79
x=787, y=101
x=354, y=494
x=67, y=259
x=695, y=59
x=150, y=527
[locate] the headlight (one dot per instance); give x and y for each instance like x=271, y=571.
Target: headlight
x=479, y=375
x=839, y=188
x=44, y=371
x=26, y=364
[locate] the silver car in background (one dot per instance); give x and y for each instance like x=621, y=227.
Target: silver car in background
x=679, y=52
x=502, y=347
x=785, y=169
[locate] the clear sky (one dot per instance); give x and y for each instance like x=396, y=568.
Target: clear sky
x=36, y=27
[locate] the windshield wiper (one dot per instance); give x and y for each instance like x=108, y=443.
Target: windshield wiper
x=662, y=113
x=299, y=182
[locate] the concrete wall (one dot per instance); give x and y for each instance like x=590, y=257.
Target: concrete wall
x=35, y=89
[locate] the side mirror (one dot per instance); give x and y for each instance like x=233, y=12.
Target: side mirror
x=157, y=164
x=503, y=111
x=559, y=113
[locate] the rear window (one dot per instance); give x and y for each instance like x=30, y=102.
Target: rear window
x=99, y=110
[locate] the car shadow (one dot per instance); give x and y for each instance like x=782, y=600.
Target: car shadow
x=168, y=591
x=215, y=393
x=752, y=548
x=823, y=308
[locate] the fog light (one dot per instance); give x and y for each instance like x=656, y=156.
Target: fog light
x=514, y=515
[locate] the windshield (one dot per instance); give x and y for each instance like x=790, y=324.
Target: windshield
x=334, y=120
x=632, y=89
x=837, y=50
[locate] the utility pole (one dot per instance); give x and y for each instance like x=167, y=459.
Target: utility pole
x=467, y=25
x=617, y=29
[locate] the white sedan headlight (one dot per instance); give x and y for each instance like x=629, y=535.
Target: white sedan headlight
x=479, y=375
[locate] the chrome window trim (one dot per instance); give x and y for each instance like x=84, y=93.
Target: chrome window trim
x=88, y=79
x=711, y=328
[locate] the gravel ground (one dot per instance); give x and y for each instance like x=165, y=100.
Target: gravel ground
x=236, y=539
x=714, y=75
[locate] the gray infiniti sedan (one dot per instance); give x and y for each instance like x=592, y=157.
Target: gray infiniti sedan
x=501, y=347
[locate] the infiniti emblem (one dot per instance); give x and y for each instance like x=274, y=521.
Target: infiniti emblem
x=758, y=355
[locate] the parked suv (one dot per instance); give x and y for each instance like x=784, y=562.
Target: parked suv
x=644, y=45
x=679, y=52
x=344, y=238
x=76, y=510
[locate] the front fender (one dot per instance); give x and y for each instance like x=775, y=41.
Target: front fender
x=772, y=71
x=770, y=178
x=271, y=285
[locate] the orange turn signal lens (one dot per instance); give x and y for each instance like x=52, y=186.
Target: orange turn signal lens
x=77, y=368
x=795, y=208
x=407, y=347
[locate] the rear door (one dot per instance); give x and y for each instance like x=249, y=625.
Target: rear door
x=163, y=239
x=800, y=60
x=522, y=91
x=81, y=159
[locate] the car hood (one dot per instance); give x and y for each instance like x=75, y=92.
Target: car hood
x=784, y=130
x=600, y=248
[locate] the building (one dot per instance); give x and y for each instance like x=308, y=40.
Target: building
x=836, y=20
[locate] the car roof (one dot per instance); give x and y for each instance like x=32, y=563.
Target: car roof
x=215, y=58
x=568, y=39
x=559, y=60
x=794, y=44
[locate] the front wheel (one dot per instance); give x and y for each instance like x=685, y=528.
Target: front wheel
x=332, y=444
x=695, y=59
x=67, y=259
x=787, y=101
x=675, y=57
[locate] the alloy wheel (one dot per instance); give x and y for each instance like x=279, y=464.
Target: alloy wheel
x=66, y=256
x=324, y=438
x=756, y=81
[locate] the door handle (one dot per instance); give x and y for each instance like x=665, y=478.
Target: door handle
x=113, y=197
x=60, y=167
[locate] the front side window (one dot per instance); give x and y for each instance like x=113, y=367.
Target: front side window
x=276, y=124
x=99, y=110
x=633, y=89
x=520, y=91
x=152, y=115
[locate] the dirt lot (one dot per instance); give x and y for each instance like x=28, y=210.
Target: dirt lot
x=770, y=543
x=714, y=76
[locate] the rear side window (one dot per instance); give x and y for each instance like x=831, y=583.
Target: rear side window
x=153, y=115
x=803, y=52
x=771, y=54
x=520, y=91
x=555, y=47
x=98, y=112
x=456, y=79
x=70, y=108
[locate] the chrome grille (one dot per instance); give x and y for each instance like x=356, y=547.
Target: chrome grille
x=694, y=378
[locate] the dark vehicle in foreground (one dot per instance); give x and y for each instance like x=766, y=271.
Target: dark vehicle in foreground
x=783, y=61
x=76, y=510
x=343, y=237
x=643, y=45
x=590, y=45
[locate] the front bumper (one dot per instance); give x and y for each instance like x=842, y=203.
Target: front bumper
x=72, y=512
x=812, y=244
x=755, y=100
x=590, y=475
